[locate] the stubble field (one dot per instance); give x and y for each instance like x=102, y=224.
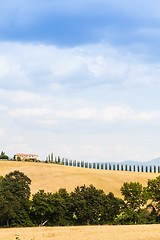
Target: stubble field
x=136, y=232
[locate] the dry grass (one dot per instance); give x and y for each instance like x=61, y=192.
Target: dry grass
x=51, y=177
x=139, y=232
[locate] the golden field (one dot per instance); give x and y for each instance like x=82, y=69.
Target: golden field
x=51, y=177
x=131, y=232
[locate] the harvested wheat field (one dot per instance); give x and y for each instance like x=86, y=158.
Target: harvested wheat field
x=51, y=177
x=131, y=232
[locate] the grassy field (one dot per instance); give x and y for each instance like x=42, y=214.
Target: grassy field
x=51, y=177
x=138, y=232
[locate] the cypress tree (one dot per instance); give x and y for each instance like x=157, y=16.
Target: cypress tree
x=82, y=164
x=46, y=160
x=158, y=169
x=114, y=168
x=146, y=168
x=138, y=168
x=94, y=165
x=86, y=164
x=117, y=167
x=150, y=169
x=142, y=168
x=154, y=169
x=126, y=168
x=134, y=168
x=66, y=161
x=59, y=160
x=97, y=165
x=105, y=166
x=102, y=166
x=122, y=167
x=130, y=168
x=52, y=156
x=110, y=168
x=90, y=165
x=70, y=162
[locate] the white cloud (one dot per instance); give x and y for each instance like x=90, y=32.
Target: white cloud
x=21, y=66
x=108, y=114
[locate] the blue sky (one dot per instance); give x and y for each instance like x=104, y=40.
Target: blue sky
x=80, y=79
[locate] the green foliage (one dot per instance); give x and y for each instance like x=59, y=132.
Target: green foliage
x=126, y=167
x=50, y=208
x=150, y=168
x=3, y=156
x=97, y=165
x=153, y=188
x=92, y=206
x=18, y=158
x=135, y=196
x=14, y=199
x=142, y=168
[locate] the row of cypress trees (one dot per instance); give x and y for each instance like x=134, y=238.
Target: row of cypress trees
x=104, y=166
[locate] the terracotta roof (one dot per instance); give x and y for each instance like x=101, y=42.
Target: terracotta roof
x=21, y=154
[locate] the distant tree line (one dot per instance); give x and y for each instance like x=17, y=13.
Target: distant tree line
x=86, y=205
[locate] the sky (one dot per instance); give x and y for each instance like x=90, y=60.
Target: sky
x=80, y=79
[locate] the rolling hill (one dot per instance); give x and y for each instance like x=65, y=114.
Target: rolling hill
x=51, y=177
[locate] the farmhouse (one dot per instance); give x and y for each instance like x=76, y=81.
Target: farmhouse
x=26, y=156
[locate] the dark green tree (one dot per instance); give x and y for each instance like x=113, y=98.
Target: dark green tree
x=153, y=188
x=117, y=167
x=126, y=167
x=3, y=156
x=142, y=168
x=14, y=195
x=150, y=168
x=50, y=208
x=121, y=167
x=91, y=206
x=135, y=197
